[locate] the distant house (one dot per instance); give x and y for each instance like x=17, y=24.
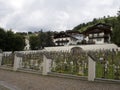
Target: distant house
x=98, y=34
x=67, y=38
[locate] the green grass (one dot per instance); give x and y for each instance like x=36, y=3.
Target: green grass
x=99, y=70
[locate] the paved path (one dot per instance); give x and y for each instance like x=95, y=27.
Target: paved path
x=25, y=81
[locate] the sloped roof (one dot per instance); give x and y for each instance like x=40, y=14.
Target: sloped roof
x=77, y=36
x=100, y=27
x=61, y=34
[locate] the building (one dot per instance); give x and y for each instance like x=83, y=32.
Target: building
x=67, y=38
x=98, y=34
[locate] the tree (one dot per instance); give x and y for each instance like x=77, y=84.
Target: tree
x=34, y=42
x=94, y=21
x=116, y=31
x=29, y=32
x=10, y=41
x=2, y=39
x=19, y=43
x=42, y=39
x=49, y=41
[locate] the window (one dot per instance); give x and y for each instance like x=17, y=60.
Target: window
x=99, y=39
x=95, y=35
x=98, y=34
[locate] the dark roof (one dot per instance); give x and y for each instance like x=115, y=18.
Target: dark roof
x=68, y=33
x=100, y=27
x=60, y=35
x=72, y=32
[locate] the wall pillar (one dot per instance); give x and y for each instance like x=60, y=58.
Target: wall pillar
x=0, y=59
x=46, y=65
x=17, y=61
x=91, y=69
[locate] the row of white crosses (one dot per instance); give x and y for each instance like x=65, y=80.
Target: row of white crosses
x=81, y=63
x=32, y=60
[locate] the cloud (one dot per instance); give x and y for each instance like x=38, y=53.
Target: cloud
x=56, y=15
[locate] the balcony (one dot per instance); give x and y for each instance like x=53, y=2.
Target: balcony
x=98, y=36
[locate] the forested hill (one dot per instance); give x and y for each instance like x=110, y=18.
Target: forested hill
x=107, y=20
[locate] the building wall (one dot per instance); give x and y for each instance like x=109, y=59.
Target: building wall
x=92, y=38
x=98, y=39
x=61, y=39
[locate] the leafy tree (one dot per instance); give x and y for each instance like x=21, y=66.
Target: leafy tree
x=44, y=39
x=2, y=39
x=19, y=43
x=10, y=41
x=94, y=21
x=29, y=32
x=49, y=41
x=34, y=42
x=116, y=31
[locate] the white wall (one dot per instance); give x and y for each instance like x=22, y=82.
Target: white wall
x=99, y=42
x=84, y=47
x=60, y=39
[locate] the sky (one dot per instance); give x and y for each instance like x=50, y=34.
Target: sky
x=54, y=15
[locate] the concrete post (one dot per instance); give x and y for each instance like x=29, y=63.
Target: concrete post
x=0, y=59
x=16, y=62
x=91, y=69
x=46, y=65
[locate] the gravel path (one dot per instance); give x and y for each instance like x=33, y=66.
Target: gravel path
x=25, y=81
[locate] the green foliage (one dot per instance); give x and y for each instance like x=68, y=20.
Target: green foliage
x=44, y=39
x=21, y=33
x=109, y=66
x=10, y=41
x=2, y=39
x=34, y=42
x=116, y=31
x=109, y=20
x=29, y=32
x=114, y=22
x=67, y=63
x=19, y=43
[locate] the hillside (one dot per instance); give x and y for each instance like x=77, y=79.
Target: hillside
x=114, y=22
x=108, y=20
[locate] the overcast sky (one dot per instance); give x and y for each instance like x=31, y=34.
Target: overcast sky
x=56, y=15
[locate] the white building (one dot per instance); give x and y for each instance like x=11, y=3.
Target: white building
x=67, y=38
x=98, y=34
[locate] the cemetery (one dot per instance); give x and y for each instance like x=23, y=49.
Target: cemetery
x=102, y=64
